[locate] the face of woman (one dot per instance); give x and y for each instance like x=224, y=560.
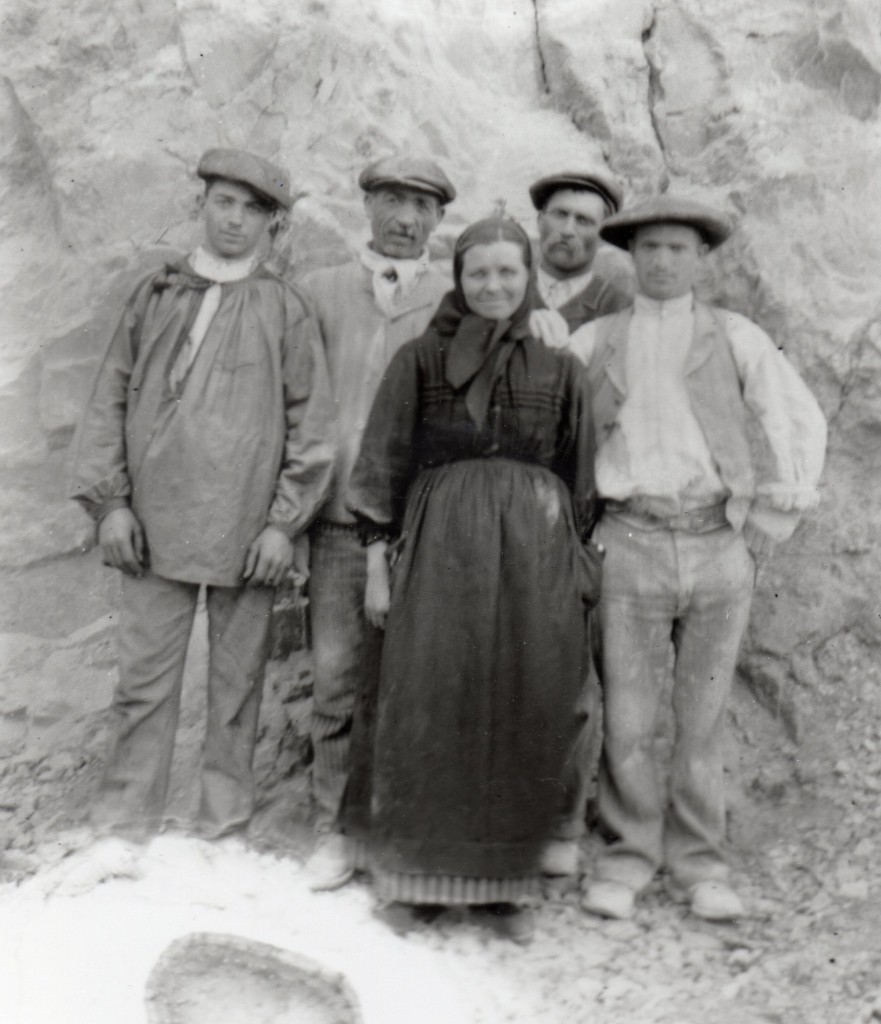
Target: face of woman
x=494, y=279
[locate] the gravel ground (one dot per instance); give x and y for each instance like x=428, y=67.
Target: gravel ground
x=804, y=823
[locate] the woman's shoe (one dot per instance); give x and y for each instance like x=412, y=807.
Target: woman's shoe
x=510, y=921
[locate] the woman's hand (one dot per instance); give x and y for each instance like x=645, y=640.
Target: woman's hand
x=377, y=595
x=548, y=325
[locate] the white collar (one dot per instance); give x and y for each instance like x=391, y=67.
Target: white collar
x=220, y=270
x=406, y=269
x=664, y=307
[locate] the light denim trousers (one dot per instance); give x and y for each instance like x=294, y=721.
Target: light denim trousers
x=156, y=621
x=663, y=587
x=344, y=647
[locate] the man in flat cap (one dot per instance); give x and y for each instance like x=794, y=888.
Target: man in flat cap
x=205, y=450
x=571, y=207
x=674, y=384
x=366, y=310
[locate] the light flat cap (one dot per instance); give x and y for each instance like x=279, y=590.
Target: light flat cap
x=265, y=178
x=712, y=225
x=411, y=172
x=590, y=181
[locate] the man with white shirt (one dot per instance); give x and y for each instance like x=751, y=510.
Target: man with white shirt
x=205, y=450
x=674, y=382
x=366, y=309
x=571, y=207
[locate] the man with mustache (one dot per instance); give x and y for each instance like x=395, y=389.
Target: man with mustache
x=205, y=450
x=571, y=207
x=366, y=310
x=687, y=511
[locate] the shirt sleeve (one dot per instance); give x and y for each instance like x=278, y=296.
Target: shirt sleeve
x=576, y=449
x=382, y=474
x=583, y=341
x=793, y=424
x=306, y=474
x=100, y=479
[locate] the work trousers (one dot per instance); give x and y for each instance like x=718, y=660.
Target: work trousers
x=345, y=647
x=663, y=587
x=154, y=631
x=579, y=770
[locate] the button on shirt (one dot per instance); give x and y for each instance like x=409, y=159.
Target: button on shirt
x=659, y=450
x=556, y=292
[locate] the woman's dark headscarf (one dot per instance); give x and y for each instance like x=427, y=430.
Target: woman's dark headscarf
x=472, y=353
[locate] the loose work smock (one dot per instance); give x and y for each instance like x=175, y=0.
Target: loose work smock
x=244, y=441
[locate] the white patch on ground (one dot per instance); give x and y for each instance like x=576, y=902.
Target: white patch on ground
x=86, y=959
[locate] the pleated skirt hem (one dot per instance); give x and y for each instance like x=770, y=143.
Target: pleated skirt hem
x=447, y=890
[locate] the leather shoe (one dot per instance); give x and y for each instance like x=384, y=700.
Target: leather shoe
x=610, y=899
x=559, y=858
x=715, y=901
x=509, y=921
x=332, y=863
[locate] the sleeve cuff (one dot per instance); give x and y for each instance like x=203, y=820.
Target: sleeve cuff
x=788, y=497
x=100, y=512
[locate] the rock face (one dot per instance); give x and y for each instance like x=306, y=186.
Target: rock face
x=768, y=110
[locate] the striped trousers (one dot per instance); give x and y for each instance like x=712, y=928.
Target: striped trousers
x=344, y=647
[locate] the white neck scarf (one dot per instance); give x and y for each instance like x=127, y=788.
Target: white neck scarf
x=393, y=279
x=218, y=270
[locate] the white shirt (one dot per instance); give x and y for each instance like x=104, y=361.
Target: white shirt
x=660, y=451
x=557, y=292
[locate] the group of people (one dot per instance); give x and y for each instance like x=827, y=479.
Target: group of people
x=528, y=496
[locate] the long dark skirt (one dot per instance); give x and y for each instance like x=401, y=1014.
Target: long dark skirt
x=459, y=757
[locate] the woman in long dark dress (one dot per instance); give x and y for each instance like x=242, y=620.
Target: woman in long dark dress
x=476, y=468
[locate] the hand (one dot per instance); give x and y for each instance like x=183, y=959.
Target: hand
x=548, y=325
x=268, y=558
x=122, y=542
x=377, y=595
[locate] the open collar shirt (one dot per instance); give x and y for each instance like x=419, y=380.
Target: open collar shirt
x=660, y=451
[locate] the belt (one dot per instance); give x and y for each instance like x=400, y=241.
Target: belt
x=328, y=526
x=697, y=520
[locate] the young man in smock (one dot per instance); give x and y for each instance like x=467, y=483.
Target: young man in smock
x=366, y=310
x=686, y=514
x=205, y=450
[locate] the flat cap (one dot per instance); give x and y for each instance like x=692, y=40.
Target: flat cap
x=590, y=181
x=713, y=225
x=411, y=172
x=265, y=178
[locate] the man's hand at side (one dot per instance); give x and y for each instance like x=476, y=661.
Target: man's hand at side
x=269, y=558
x=377, y=596
x=122, y=542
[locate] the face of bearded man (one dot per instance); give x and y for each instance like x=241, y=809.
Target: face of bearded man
x=568, y=231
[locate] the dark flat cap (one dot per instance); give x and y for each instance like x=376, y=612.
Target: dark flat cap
x=411, y=172
x=265, y=178
x=605, y=186
x=713, y=225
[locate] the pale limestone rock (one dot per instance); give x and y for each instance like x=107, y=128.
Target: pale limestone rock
x=769, y=110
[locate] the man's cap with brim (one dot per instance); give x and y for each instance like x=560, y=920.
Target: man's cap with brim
x=586, y=181
x=268, y=180
x=409, y=172
x=712, y=225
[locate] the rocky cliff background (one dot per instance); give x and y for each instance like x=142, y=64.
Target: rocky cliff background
x=769, y=110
